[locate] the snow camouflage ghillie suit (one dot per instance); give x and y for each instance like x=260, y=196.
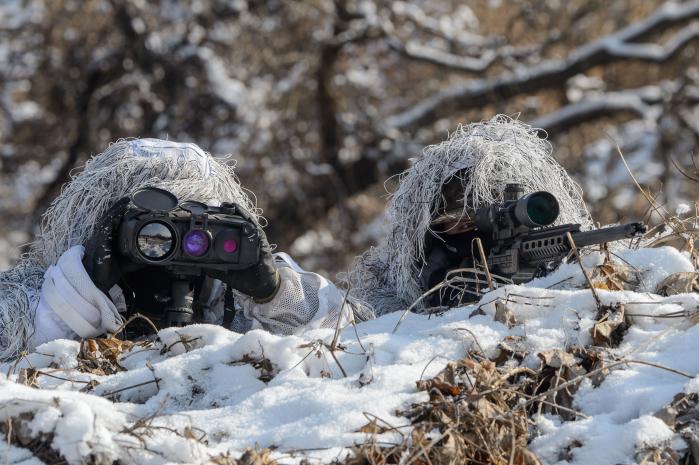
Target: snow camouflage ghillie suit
x=484, y=157
x=28, y=316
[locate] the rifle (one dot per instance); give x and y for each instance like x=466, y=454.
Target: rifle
x=522, y=245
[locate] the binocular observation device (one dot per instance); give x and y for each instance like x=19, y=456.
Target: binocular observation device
x=189, y=239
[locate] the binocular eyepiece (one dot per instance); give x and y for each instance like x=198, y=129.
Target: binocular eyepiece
x=533, y=210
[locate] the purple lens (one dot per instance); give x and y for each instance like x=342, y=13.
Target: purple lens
x=196, y=243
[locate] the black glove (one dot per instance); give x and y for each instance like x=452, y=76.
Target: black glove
x=261, y=281
x=102, y=260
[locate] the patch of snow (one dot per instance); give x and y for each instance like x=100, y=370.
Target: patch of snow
x=300, y=403
x=682, y=209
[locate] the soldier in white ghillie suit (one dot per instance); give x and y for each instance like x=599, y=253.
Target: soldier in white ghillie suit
x=54, y=292
x=467, y=171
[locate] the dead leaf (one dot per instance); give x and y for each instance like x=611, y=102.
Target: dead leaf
x=668, y=415
x=557, y=358
x=614, y=277
x=28, y=377
x=249, y=457
x=610, y=328
x=679, y=283
x=504, y=314
x=100, y=356
x=372, y=428
x=591, y=360
x=486, y=408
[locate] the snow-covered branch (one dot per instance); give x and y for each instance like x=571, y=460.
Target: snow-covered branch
x=654, y=52
x=646, y=103
x=555, y=72
x=415, y=50
x=641, y=102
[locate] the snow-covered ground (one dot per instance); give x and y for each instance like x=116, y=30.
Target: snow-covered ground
x=218, y=391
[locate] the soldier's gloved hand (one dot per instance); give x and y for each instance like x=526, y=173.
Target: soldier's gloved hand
x=261, y=281
x=102, y=260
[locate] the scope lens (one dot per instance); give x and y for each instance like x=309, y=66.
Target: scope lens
x=155, y=240
x=542, y=208
x=196, y=243
x=230, y=245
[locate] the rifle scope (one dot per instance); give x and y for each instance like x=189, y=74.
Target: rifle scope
x=532, y=211
x=536, y=209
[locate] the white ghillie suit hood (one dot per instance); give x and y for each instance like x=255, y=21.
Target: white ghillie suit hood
x=126, y=166
x=486, y=156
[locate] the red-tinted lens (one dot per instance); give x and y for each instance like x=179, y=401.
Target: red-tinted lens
x=230, y=245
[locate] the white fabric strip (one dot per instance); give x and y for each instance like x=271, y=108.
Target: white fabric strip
x=182, y=150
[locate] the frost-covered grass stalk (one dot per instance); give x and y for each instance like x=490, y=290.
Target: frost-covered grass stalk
x=486, y=156
x=127, y=165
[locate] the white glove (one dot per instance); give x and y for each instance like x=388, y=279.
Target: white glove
x=69, y=294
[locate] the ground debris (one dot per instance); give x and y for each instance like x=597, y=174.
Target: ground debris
x=249, y=457
x=610, y=327
x=679, y=283
x=682, y=416
x=511, y=348
x=266, y=369
x=17, y=432
x=592, y=361
x=28, y=377
x=504, y=314
x=557, y=367
x=663, y=455
x=100, y=356
x=612, y=276
x=373, y=428
x=557, y=358
x=469, y=418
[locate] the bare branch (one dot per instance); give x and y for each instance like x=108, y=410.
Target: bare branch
x=555, y=72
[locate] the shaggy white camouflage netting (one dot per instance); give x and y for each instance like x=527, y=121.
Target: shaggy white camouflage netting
x=127, y=165
x=487, y=156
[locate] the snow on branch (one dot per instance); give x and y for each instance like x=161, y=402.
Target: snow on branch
x=641, y=102
x=654, y=52
x=616, y=46
x=415, y=50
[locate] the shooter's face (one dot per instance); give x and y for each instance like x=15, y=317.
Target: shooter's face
x=453, y=218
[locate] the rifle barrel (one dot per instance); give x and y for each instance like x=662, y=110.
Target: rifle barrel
x=610, y=234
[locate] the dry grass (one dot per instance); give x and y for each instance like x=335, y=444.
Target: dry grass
x=471, y=415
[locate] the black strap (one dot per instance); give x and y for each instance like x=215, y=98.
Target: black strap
x=228, y=307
